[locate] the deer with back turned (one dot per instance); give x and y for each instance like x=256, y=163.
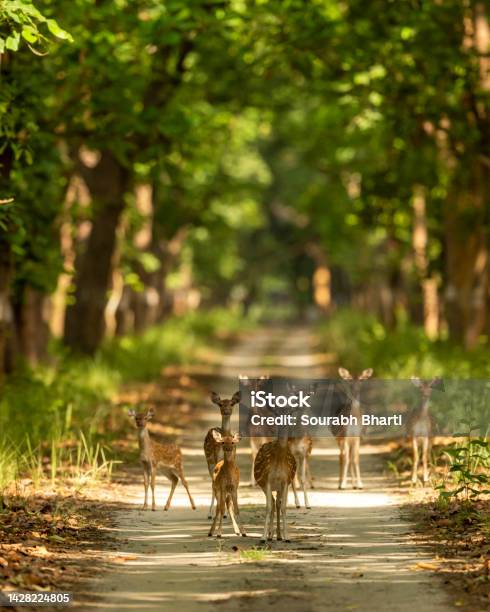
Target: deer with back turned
x=274, y=471
x=155, y=455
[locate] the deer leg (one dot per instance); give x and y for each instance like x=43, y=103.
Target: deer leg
x=145, y=482
x=186, y=486
x=344, y=464
x=222, y=507
x=268, y=501
x=237, y=514
x=415, y=465
x=357, y=465
x=232, y=515
x=174, y=480
x=295, y=492
x=303, y=482
x=284, y=509
x=153, y=475
x=308, y=473
x=270, y=535
x=279, y=500
x=213, y=525
x=352, y=468
x=211, y=507
x=252, y=477
x=425, y=459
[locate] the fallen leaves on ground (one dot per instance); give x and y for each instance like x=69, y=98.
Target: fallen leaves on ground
x=460, y=532
x=42, y=537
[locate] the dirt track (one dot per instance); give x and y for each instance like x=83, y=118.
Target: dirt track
x=351, y=551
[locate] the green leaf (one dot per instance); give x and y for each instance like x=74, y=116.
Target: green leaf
x=30, y=34
x=12, y=42
x=55, y=30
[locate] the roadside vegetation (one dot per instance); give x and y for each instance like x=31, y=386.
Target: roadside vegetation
x=454, y=512
x=57, y=420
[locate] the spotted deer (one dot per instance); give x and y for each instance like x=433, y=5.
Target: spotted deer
x=255, y=441
x=301, y=446
x=274, y=471
x=349, y=436
x=154, y=455
x=226, y=478
x=420, y=426
x=212, y=448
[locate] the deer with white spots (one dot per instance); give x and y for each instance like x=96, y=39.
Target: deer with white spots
x=212, y=448
x=349, y=436
x=155, y=455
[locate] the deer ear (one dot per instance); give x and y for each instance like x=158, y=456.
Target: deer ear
x=217, y=436
x=345, y=374
x=150, y=413
x=236, y=438
x=436, y=382
x=215, y=398
x=236, y=398
x=365, y=374
x=416, y=381
x=131, y=412
x=244, y=380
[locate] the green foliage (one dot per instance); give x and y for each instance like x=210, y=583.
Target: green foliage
x=361, y=341
x=21, y=21
x=469, y=470
x=55, y=417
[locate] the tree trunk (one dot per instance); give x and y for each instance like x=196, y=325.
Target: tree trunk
x=107, y=182
x=467, y=256
x=31, y=325
x=430, y=298
x=6, y=264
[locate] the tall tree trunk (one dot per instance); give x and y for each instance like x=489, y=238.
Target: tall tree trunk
x=467, y=262
x=32, y=329
x=6, y=264
x=428, y=284
x=107, y=182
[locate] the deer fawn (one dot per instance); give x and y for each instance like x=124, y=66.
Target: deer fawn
x=419, y=427
x=349, y=436
x=154, y=455
x=274, y=470
x=226, y=478
x=212, y=448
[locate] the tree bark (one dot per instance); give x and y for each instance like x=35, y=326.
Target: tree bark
x=467, y=263
x=107, y=182
x=430, y=298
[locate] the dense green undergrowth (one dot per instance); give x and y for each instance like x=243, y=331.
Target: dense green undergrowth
x=360, y=341
x=51, y=416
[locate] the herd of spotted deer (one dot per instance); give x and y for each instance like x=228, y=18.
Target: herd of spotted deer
x=274, y=463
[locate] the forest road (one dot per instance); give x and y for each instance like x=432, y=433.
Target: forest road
x=351, y=551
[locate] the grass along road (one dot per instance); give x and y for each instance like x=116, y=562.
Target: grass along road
x=351, y=551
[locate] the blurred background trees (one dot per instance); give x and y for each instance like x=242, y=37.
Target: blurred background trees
x=284, y=158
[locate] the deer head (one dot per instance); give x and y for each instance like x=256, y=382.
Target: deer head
x=225, y=405
x=227, y=441
x=425, y=386
x=141, y=418
x=353, y=389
